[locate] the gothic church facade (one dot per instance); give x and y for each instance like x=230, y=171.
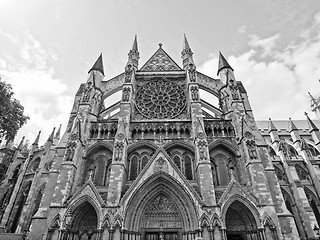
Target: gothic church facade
x=163, y=164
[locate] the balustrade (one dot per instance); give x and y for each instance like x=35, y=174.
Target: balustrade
x=103, y=130
x=160, y=130
x=217, y=128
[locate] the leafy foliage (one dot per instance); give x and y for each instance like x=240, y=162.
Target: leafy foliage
x=11, y=112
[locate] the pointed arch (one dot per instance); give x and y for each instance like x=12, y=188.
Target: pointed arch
x=216, y=221
x=204, y=221
x=224, y=143
x=80, y=201
x=160, y=183
x=244, y=202
x=270, y=227
x=38, y=199
x=140, y=144
x=96, y=145
x=180, y=144
x=53, y=227
x=106, y=223
x=117, y=221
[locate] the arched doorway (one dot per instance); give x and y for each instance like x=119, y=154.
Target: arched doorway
x=240, y=223
x=84, y=223
x=160, y=209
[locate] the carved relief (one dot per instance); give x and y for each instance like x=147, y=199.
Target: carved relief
x=160, y=162
x=126, y=94
x=194, y=93
x=252, y=149
x=305, y=147
x=161, y=213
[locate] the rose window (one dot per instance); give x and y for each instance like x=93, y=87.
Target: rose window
x=160, y=99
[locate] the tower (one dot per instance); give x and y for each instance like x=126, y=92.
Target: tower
x=164, y=163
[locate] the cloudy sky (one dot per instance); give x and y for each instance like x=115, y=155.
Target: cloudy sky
x=48, y=46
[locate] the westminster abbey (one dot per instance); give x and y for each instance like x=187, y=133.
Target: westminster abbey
x=163, y=163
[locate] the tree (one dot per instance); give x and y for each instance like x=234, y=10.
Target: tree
x=11, y=112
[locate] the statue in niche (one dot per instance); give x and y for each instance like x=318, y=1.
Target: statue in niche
x=118, y=152
x=194, y=93
x=126, y=94
x=252, y=149
x=192, y=72
x=202, y=144
x=70, y=150
x=234, y=92
x=87, y=92
x=128, y=73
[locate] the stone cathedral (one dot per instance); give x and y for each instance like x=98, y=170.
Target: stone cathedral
x=163, y=163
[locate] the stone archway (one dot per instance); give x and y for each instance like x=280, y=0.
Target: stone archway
x=83, y=225
x=161, y=209
x=241, y=223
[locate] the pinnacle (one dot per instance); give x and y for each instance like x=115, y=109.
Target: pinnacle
x=186, y=45
x=312, y=126
x=58, y=132
x=135, y=44
x=21, y=143
x=291, y=126
x=223, y=63
x=98, y=65
x=36, y=141
x=271, y=126
x=51, y=135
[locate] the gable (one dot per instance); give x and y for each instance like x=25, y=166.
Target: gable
x=160, y=61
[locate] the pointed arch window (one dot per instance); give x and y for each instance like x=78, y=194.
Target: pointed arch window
x=280, y=175
x=302, y=173
x=314, y=202
x=177, y=161
x=313, y=150
x=38, y=199
x=221, y=170
x=188, y=167
x=99, y=170
x=292, y=152
x=133, y=168
x=144, y=161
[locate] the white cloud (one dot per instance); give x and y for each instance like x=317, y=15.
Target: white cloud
x=42, y=95
x=267, y=44
x=277, y=88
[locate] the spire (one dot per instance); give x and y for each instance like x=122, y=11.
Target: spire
x=186, y=54
x=186, y=47
x=291, y=126
x=271, y=126
x=223, y=63
x=133, y=54
x=58, y=132
x=312, y=126
x=21, y=143
x=98, y=65
x=51, y=135
x=36, y=141
x=135, y=44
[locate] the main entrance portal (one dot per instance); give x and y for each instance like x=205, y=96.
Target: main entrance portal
x=161, y=220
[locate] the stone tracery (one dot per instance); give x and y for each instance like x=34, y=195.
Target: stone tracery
x=160, y=99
